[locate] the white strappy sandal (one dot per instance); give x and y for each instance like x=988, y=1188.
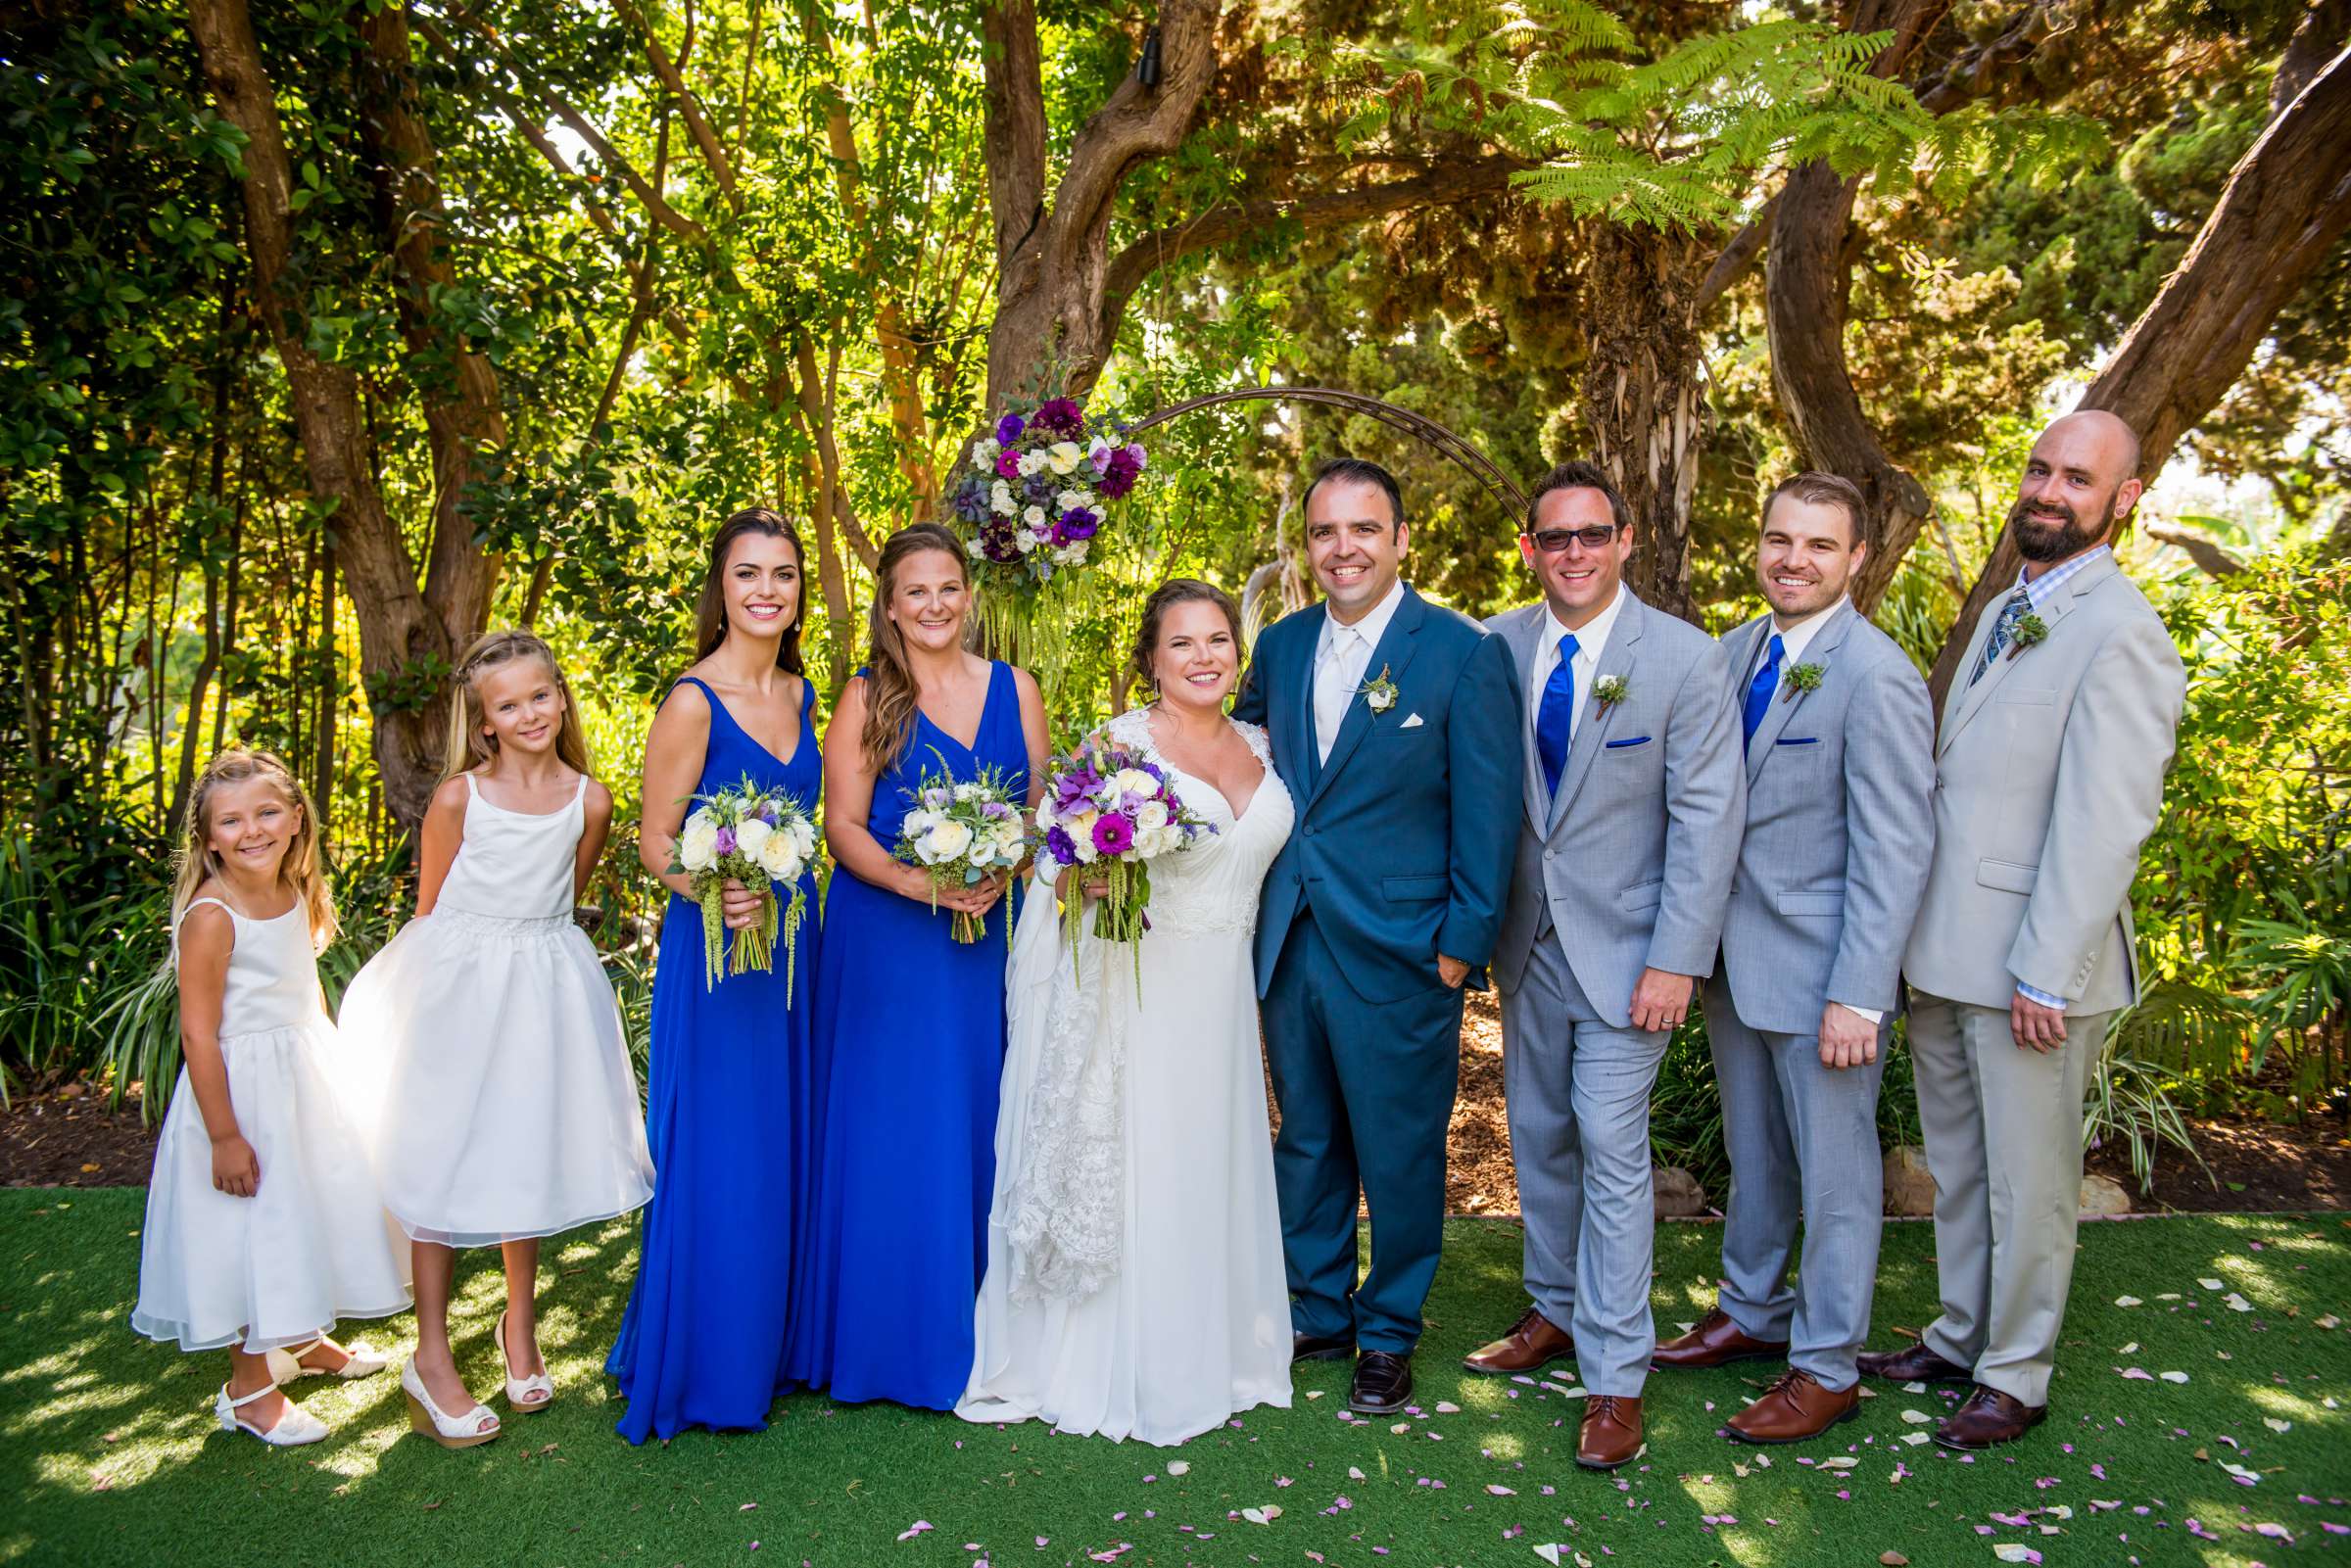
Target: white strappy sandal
x=295, y=1426
x=362, y=1360
x=465, y=1430
x=527, y=1394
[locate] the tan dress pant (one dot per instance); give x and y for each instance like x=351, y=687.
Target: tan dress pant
x=2003, y=1136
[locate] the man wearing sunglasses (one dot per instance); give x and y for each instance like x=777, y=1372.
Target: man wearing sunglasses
x=1633, y=802
x=1839, y=745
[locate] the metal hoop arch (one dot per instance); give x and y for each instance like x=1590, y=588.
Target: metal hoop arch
x=1475, y=462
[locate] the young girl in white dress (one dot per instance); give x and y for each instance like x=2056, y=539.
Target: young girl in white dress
x=507, y=1110
x=262, y=1229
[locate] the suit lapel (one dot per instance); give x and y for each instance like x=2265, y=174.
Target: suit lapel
x=2052, y=613
x=1786, y=700
x=1592, y=720
x=1393, y=653
x=1310, y=750
x=1965, y=700
x=1526, y=644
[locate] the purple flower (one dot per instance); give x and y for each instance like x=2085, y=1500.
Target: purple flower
x=1060, y=846
x=1008, y=465
x=1113, y=835
x=1060, y=416
x=971, y=500
x=766, y=812
x=1039, y=487
x=1079, y=522
x=1009, y=428
x=725, y=840
x=1119, y=473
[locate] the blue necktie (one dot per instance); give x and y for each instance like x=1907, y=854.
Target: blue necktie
x=2019, y=605
x=1760, y=688
x=1554, y=721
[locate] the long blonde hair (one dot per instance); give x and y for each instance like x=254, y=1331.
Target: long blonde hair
x=468, y=747
x=890, y=692
x=303, y=867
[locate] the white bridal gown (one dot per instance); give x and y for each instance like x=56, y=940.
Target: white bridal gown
x=1134, y=1278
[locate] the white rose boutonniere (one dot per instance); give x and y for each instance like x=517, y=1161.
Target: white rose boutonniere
x=1610, y=690
x=1379, y=692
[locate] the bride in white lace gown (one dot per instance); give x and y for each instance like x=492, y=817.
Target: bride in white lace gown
x=1134, y=1275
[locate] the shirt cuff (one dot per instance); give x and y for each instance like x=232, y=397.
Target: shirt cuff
x=1871, y=1015
x=2032, y=994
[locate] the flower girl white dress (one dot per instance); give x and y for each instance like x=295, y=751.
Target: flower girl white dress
x=1134, y=1278
x=311, y=1245
x=498, y=1102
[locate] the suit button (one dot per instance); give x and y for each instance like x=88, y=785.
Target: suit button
x=1310, y=830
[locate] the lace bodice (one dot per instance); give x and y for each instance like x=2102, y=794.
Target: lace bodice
x=1213, y=885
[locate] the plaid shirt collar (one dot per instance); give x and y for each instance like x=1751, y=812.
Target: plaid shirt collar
x=2039, y=590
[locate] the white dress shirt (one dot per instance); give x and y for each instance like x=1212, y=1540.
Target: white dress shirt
x=1590, y=640
x=1342, y=659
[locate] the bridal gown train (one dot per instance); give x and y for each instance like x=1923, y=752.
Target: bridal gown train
x=1135, y=1281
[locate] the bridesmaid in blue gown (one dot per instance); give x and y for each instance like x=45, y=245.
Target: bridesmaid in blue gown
x=703, y=1339
x=909, y=1023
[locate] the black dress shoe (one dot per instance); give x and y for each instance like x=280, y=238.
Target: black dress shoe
x=1383, y=1383
x=1912, y=1363
x=1320, y=1348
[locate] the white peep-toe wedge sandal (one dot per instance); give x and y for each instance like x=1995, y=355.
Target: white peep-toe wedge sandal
x=467, y=1430
x=527, y=1394
x=295, y=1426
x=362, y=1360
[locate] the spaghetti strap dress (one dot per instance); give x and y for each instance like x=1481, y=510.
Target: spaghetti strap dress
x=910, y=1031
x=728, y=1114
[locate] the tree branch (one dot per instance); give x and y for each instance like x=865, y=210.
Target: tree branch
x=690, y=106
x=1016, y=122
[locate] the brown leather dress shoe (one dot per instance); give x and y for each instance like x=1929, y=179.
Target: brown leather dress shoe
x=1716, y=1342
x=1383, y=1383
x=1611, y=1435
x=1795, y=1408
x=1321, y=1347
x=1987, y=1419
x=1912, y=1363
x=1533, y=1343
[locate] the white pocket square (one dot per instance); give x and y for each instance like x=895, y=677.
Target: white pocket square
x=1411, y=723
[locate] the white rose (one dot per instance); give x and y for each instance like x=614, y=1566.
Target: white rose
x=1151, y=816
x=984, y=454
x=1081, y=834
x=804, y=837
x=1069, y=501
x=967, y=790
x=1026, y=541
x=1044, y=815
x=781, y=858
x=1134, y=781
x=1063, y=456
x=1033, y=516
x=1030, y=463
x=946, y=841
x=1000, y=501
x=698, y=845
x=750, y=834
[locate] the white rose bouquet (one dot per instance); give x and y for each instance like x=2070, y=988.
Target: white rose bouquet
x=764, y=839
x=1112, y=811
x=962, y=831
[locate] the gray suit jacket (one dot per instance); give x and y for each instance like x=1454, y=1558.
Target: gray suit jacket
x=1840, y=825
x=2048, y=776
x=1633, y=859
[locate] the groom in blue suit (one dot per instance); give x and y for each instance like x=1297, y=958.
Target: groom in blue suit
x=1395, y=724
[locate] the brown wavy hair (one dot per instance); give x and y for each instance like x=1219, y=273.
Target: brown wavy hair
x=710, y=610
x=468, y=748
x=891, y=694
x=1164, y=597
x=303, y=867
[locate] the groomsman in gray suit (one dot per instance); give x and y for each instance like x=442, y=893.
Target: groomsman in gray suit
x=1840, y=740
x=2048, y=776
x=1633, y=803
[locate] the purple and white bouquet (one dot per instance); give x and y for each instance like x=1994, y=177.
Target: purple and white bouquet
x=764, y=839
x=1034, y=495
x=963, y=831
x=1111, y=812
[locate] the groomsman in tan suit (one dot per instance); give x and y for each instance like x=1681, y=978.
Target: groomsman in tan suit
x=2049, y=769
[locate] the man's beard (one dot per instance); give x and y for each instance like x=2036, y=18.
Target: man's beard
x=2042, y=541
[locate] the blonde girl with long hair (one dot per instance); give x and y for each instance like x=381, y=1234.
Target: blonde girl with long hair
x=910, y=1022
x=505, y=1108
x=261, y=1230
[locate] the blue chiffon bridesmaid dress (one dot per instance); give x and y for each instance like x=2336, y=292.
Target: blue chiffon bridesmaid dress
x=728, y=1118
x=910, y=1047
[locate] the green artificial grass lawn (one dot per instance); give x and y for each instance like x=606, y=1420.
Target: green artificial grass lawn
x=108, y=1452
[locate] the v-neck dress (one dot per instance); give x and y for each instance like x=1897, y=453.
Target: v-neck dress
x=728, y=1114
x=910, y=1033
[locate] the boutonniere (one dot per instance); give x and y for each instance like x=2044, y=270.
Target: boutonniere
x=1379, y=692
x=1610, y=690
x=1803, y=677
x=2030, y=629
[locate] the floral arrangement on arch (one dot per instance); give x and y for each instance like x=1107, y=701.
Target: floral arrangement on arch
x=1035, y=492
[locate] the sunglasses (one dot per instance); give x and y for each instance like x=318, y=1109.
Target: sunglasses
x=1552, y=541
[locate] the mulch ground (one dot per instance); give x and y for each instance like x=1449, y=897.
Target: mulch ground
x=66, y=1136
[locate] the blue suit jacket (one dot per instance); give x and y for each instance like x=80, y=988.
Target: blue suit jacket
x=1404, y=838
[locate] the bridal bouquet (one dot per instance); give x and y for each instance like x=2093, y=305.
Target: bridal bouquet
x=962, y=831
x=763, y=839
x=1112, y=811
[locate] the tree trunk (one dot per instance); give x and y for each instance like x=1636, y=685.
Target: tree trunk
x=1643, y=395
x=2286, y=204
x=397, y=625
